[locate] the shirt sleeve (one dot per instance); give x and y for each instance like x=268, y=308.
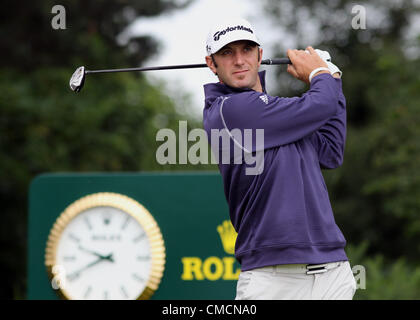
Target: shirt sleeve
x=284, y=120
x=329, y=140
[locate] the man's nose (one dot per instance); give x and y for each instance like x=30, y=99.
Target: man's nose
x=238, y=58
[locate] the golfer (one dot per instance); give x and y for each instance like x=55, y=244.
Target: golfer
x=288, y=243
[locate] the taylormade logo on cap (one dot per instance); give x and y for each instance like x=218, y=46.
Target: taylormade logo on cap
x=229, y=31
x=217, y=35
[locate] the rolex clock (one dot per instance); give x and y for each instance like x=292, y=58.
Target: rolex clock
x=105, y=246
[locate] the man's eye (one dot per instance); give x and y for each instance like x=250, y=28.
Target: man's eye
x=248, y=49
x=226, y=52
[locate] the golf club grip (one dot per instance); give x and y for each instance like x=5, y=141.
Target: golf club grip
x=276, y=61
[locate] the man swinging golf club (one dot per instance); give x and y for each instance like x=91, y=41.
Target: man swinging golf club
x=288, y=243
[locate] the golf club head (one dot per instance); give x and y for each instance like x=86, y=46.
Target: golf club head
x=77, y=80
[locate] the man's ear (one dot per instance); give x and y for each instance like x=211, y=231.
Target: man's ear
x=210, y=64
x=260, y=55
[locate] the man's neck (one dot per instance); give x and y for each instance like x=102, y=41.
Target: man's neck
x=258, y=85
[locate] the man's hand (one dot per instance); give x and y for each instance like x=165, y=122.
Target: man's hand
x=303, y=63
x=335, y=71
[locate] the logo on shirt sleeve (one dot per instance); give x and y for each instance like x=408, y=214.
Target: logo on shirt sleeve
x=264, y=98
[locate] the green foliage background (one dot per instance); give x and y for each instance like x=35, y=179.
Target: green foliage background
x=111, y=125
x=376, y=193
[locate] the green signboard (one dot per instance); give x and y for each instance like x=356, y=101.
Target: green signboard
x=189, y=210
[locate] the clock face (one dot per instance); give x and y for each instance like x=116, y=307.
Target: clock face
x=105, y=252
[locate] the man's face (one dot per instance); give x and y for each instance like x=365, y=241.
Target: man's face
x=237, y=65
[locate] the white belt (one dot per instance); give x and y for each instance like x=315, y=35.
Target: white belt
x=302, y=268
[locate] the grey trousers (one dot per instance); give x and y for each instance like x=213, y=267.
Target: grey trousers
x=290, y=282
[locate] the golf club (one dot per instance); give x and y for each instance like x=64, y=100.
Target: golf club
x=77, y=80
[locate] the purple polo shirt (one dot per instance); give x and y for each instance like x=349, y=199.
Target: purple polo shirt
x=282, y=213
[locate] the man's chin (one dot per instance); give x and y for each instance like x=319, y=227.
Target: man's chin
x=241, y=84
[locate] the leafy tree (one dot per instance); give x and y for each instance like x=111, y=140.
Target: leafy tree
x=375, y=194
x=109, y=126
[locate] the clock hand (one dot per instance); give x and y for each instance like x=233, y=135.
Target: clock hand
x=94, y=253
x=76, y=274
x=109, y=257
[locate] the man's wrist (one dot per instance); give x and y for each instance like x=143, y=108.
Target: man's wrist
x=317, y=71
x=337, y=75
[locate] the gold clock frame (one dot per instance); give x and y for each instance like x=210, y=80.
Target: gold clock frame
x=131, y=207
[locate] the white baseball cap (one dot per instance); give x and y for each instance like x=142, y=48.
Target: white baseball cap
x=229, y=31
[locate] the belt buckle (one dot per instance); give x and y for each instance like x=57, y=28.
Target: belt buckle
x=316, y=268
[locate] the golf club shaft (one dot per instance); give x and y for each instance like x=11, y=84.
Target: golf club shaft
x=184, y=66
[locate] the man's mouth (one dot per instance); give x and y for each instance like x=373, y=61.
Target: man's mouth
x=239, y=72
